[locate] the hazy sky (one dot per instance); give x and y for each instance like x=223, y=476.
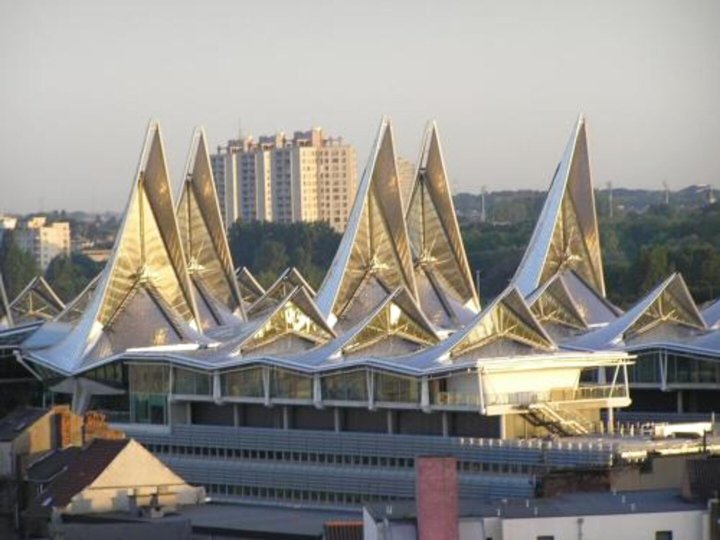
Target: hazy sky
x=505, y=81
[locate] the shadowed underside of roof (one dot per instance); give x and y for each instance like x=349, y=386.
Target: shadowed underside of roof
x=375, y=242
x=566, y=235
x=37, y=301
x=445, y=285
x=203, y=237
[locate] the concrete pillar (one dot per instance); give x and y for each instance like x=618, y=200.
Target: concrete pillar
x=425, y=395
x=680, y=404
x=611, y=420
x=445, y=424
x=436, y=492
x=286, y=417
x=236, y=415
x=391, y=422
x=337, y=417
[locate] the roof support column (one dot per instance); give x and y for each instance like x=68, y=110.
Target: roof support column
x=266, y=384
x=370, y=377
x=216, y=388
x=317, y=392
x=425, y=395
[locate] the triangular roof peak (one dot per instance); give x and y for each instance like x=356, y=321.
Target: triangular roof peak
x=146, y=275
x=396, y=316
x=443, y=274
x=507, y=318
x=37, y=301
x=295, y=316
x=250, y=288
x=289, y=280
x=203, y=236
x=375, y=240
x=566, y=234
x=668, y=303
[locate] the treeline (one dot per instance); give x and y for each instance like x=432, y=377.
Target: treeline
x=269, y=248
x=68, y=276
x=639, y=250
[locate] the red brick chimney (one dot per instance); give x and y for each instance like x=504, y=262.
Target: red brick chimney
x=436, y=489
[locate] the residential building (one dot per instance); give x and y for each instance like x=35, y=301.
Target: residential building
x=43, y=240
x=276, y=178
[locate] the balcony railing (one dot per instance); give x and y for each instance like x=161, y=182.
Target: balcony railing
x=555, y=395
x=456, y=399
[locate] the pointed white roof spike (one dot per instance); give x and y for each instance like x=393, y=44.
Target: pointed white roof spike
x=5, y=315
x=445, y=285
x=566, y=235
x=667, y=313
x=711, y=314
x=375, y=246
x=36, y=302
x=145, y=294
x=204, y=241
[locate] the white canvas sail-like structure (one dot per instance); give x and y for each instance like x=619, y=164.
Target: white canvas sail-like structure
x=566, y=235
x=204, y=242
x=144, y=296
x=445, y=286
x=375, y=247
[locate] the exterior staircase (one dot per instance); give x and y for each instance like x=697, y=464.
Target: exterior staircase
x=562, y=422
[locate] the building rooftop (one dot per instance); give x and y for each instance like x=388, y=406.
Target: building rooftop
x=574, y=504
x=14, y=423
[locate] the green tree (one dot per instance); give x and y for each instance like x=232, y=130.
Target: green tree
x=18, y=267
x=68, y=276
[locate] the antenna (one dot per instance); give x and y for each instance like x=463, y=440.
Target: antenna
x=610, y=200
x=240, y=135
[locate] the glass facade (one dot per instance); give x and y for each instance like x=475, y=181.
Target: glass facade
x=288, y=385
x=149, y=386
x=350, y=386
x=190, y=382
x=242, y=383
x=391, y=388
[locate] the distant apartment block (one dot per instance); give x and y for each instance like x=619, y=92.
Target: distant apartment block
x=276, y=178
x=43, y=240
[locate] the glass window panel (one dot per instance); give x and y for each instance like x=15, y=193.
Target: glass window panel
x=191, y=382
x=242, y=383
x=350, y=386
x=397, y=389
x=286, y=384
x=149, y=379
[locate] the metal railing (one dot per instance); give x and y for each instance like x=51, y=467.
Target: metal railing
x=555, y=395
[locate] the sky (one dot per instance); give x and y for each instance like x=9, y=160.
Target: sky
x=79, y=81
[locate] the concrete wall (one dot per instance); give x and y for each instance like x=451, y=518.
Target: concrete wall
x=684, y=525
